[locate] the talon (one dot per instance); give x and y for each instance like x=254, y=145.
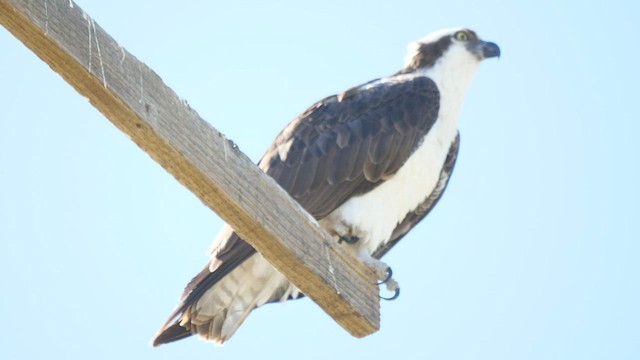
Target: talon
x=389, y=275
x=349, y=239
x=395, y=296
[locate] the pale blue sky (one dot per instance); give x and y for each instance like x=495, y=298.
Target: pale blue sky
x=531, y=254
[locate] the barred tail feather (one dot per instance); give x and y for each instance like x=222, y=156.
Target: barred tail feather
x=218, y=313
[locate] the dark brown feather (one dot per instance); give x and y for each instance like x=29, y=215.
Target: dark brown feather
x=172, y=333
x=306, y=174
x=428, y=54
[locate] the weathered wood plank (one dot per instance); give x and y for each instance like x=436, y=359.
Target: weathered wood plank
x=136, y=100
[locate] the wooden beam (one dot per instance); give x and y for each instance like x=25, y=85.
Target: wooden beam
x=136, y=100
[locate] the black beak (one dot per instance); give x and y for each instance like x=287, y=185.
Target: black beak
x=485, y=49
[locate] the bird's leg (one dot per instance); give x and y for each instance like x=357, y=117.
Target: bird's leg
x=344, y=234
x=383, y=273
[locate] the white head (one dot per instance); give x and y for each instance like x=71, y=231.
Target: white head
x=458, y=48
x=450, y=57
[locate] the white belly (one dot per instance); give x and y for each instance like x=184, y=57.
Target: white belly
x=373, y=216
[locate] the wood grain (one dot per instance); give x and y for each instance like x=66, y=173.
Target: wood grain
x=136, y=100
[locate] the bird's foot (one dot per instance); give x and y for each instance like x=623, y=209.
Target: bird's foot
x=344, y=234
x=349, y=239
x=384, y=275
x=382, y=271
x=386, y=279
x=392, y=285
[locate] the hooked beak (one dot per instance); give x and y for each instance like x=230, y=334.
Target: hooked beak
x=485, y=49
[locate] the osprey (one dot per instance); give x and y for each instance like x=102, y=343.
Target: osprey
x=368, y=163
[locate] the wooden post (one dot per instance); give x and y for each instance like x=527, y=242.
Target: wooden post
x=136, y=100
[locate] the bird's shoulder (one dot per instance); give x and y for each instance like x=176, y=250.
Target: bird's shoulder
x=402, y=101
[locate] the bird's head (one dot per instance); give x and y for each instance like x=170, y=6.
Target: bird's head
x=461, y=48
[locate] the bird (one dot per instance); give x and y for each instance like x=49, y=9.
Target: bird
x=368, y=163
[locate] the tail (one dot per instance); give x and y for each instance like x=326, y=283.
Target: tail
x=170, y=334
x=217, y=303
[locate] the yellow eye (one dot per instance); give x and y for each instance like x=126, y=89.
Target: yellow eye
x=462, y=36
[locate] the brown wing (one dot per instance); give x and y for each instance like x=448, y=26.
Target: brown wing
x=342, y=146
